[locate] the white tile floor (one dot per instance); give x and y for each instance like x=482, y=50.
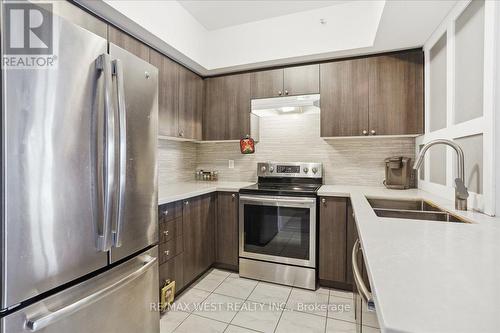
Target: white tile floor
x=221, y=301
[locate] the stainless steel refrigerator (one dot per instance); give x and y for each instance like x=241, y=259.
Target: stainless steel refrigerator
x=79, y=190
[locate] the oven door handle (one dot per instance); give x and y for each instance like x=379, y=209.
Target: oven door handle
x=276, y=199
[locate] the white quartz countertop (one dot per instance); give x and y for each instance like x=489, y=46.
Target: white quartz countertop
x=428, y=276
x=179, y=191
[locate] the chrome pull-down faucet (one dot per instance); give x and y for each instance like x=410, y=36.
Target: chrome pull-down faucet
x=461, y=193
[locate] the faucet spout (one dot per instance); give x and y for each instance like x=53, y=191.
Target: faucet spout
x=461, y=193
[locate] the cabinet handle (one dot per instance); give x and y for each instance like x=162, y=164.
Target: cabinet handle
x=186, y=203
x=167, y=252
x=233, y=196
x=373, y=132
x=286, y=92
x=279, y=92
x=165, y=213
x=365, y=132
x=323, y=201
x=165, y=232
x=181, y=133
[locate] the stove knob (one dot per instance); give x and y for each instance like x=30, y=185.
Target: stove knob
x=306, y=170
x=314, y=170
x=263, y=169
x=271, y=169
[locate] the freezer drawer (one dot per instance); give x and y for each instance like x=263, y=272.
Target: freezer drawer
x=120, y=300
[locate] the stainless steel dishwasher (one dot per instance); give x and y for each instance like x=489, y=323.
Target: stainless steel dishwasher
x=364, y=305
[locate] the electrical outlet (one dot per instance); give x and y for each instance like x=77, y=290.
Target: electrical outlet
x=231, y=164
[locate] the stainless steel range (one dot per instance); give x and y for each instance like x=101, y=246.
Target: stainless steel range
x=278, y=224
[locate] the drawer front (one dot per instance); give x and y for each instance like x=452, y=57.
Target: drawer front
x=172, y=270
x=170, y=211
x=170, y=249
x=170, y=230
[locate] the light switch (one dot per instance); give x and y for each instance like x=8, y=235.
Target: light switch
x=231, y=164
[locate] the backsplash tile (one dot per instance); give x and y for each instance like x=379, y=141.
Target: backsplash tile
x=176, y=161
x=291, y=138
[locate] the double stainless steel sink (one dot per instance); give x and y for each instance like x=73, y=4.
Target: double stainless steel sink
x=412, y=209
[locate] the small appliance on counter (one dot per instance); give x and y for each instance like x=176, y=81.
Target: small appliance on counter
x=397, y=172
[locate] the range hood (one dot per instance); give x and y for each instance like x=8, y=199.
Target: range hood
x=303, y=104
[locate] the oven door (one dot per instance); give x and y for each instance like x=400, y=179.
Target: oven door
x=278, y=229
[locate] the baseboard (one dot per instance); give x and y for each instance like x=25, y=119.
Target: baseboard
x=337, y=285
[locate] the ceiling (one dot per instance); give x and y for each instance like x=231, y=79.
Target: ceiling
x=217, y=37
x=215, y=15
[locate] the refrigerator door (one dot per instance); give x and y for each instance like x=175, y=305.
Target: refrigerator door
x=50, y=223
x=136, y=224
x=122, y=299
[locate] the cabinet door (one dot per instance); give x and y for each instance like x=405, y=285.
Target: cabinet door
x=191, y=217
x=173, y=270
x=265, y=84
x=207, y=241
x=227, y=109
x=128, y=43
x=301, y=80
x=198, y=227
x=344, y=98
x=396, y=94
x=168, y=94
x=238, y=106
x=214, y=114
x=332, y=239
x=190, y=104
x=227, y=229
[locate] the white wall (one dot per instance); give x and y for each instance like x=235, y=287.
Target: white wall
x=473, y=129
x=497, y=111
x=169, y=21
x=348, y=26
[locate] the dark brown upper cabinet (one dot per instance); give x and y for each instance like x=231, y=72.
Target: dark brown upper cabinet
x=227, y=107
x=299, y=80
x=190, y=104
x=266, y=84
x=128, y=43
x=378, y=95
x=344, y=98
x=396, y=94
x=168, y=94
x=180, y=99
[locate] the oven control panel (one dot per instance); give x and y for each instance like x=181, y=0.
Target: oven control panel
x=287, y=169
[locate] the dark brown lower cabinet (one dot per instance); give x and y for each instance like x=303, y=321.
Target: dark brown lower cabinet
x=337, y=235
x=226, y=248
x=199, y=237
x=332, y=241
x=173, y=270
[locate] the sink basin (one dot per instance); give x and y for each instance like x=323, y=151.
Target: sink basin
x=412, y=209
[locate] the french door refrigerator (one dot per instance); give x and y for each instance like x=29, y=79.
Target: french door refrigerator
x=79, y=190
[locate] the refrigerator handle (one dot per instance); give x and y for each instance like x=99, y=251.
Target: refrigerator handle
x=44, y=320
x=122, y=149
x=105, y=156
